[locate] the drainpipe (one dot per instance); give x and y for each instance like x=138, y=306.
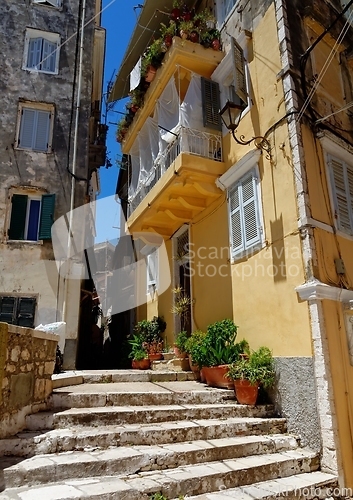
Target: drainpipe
x=74, y=158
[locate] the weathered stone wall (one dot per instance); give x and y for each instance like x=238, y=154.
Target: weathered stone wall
x=27, y=359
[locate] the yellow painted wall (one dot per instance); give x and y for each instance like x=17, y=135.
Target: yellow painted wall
x=211, y=291
x=342, y=376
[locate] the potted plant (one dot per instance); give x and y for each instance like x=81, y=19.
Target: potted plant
x=193, y=347
x=122, y=129
x=168, y=32
x=150, y=332
x=181, y=306
x=219, y=351
x=179, y=345
x=152, y=59
x=138, y=354
x=251, y=371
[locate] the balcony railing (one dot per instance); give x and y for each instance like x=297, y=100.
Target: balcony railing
x=194, y=142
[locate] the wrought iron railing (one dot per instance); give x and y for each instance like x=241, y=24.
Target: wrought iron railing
x=194, y=142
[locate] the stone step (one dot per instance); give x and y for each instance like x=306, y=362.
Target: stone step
x=77, y=438
x=307, y=486
x=173, y=365
x=137, y=393
x=136, y=459
x=107, y=376
x=191, y=480
x=120, y=415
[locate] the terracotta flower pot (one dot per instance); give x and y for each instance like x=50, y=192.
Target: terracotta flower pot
x=141, y=364
x=195, y=369
x=168, y=40
x=175, y=14
x=155, y=357
x=150, y=74
x=246, y=393
x=180, y=354
x=202, y=376
x=216, y=44
x=215, y=376
x=194, y=37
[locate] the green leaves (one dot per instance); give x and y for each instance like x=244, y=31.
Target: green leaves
x=258, y=367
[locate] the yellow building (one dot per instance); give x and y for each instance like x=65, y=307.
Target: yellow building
x=257, y=221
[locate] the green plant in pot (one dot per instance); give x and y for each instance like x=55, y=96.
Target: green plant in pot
x=180, y=343
x=193, y=347
x=138, y=354
x=152, y=59
x=251, y=371
x=219, y=350
x=150, y=331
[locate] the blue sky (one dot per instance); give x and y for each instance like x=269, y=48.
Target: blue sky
x=119, y=20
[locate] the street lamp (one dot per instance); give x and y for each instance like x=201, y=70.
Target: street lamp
x=231, y=116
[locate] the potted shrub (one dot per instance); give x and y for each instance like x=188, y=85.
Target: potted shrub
x=122, y=129
x=150, y=332
x=179, y=345
x=193, y=347
x=152, y=59
x=219, y=351
x=181, y=306
x=138, y=354
x=251, y=371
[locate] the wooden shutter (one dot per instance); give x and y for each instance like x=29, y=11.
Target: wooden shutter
x=239, y=70
x=28, y=121
x=42, y=131
x=46, y=216
x=25, y=311
x=18, y=217
x=49, y=56
x=34, y=52
x=8, y=309
x=252, y=234
x=236, y=221
x=210, y=104
x=341, y=202
x=350, y=192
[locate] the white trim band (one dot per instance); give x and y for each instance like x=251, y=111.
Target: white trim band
x=316, y=290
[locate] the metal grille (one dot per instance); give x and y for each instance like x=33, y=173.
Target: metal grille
x=183, y=244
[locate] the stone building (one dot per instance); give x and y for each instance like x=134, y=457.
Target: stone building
x=52, y=143
x=260, y=210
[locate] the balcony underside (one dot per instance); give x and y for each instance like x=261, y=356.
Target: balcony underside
x=185, y=189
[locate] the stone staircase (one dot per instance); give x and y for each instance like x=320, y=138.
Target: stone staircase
x=133, y=434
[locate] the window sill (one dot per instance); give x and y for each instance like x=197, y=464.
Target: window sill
x=246, y=254
x=33, y=70
x=18, y=148
x=26, y=242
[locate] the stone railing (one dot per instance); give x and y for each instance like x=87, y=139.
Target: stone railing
x=27, y=360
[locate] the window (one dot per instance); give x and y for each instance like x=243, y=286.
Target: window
x=49, y=3
x=18, y=310
x=224, y=8
x=232, y=78
x=210, y=104
x=152, y=270
x=244, y=213
x=41, y=51
x=35, y=127
x=342, y=182
x=31, y=217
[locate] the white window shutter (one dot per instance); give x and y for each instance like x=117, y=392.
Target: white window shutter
x=239, y=70
x=152, y=268
x=42, y=131
x=48, y=62
x=34, y=52
x=252, y=234
x=54, y=3
x=339, y=182
x=236, y=221
x=27, y=127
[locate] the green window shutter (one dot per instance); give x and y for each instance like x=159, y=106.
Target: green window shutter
x=210, y=104
x=18, y=217
x=239, y=71
x=7, y=309
x=25, y=311
x=46, y=216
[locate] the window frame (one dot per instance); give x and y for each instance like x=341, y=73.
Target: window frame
x=222, y=16
x=36, y=106
x=44, y=3
x=224, y=76
x=31, y=34
x=331, y=147
x=30, y=196
x=17, y=307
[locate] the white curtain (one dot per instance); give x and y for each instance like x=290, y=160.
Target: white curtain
x=168, y=112
x=135, y=75
x=191, y=117
x=148, y=140
x=135, y=166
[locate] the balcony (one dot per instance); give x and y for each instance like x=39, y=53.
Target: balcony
x=180, y=184
x=187, y=57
